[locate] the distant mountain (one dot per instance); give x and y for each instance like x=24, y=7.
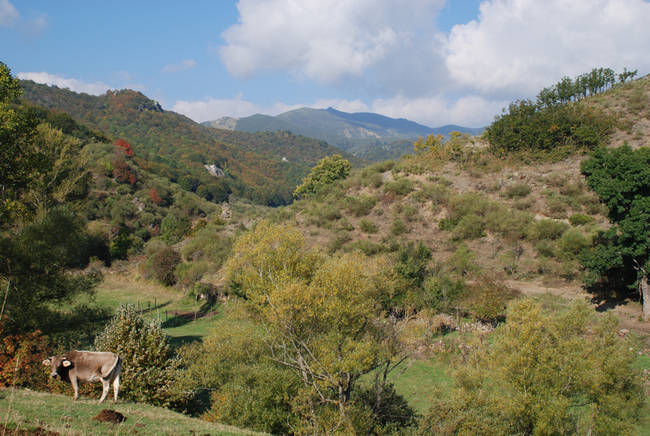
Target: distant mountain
x=367, y=135
x=264, y=167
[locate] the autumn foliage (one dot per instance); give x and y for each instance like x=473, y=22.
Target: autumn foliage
x=20, y=359
x=125, y=146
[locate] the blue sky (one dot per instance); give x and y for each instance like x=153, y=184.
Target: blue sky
x=432, y=61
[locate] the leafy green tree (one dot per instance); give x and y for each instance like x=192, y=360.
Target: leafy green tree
x=544, y=373
x=33, y=276
x=20, y=160
x=150, y=370
x=323, y=316
x=621, y=179
x=326, y=171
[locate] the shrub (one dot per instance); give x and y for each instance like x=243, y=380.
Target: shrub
x=20, y=359
x=544, y=372
x=368, y=226
x=326, y=171
x=189, y=273
x=161, y=264
x=410, y=212
x=368, y=248
x=572, y=244
x=174, y=226
x=401, y=186
x=437, y=193
x=546, y=229
x=258, y=397
x=487, y=299
x=579, y=219
x=469, y=227
x=518, y=190
x=150, y=372
x=462, y=262
x=398, y=227
x=361, y=205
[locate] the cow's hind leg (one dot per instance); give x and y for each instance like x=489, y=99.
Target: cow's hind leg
x=106, y=385
x=116, y=387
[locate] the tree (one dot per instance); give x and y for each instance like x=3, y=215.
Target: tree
x=544, y=373
x=323, y=315
x=621, y=179
x=430, y=143
x=20, y=160
x=150, y=370
x=326, y=171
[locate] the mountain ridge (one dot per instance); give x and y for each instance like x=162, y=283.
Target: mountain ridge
x=368, y=135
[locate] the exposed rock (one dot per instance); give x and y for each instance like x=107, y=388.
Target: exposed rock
x=214, y=170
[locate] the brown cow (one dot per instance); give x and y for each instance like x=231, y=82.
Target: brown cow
x=87, y=366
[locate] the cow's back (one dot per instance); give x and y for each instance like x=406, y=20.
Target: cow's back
x=90, y=365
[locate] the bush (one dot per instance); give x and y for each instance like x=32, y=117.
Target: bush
x=401, y=186
x=258, y=397
x=544, y=372
x=398, y=227
x=20, y=360
x=150, y=371
x=579, y=219
x=174, y=226
x=469, y=227
x=487, y=299
x=161, y=264
x=572, y=244
x=326, y=171
x=361, y=205
x=368, y=226
x=518, y=190
x=546, y=229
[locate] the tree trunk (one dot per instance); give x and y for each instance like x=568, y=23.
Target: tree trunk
x=645, y=298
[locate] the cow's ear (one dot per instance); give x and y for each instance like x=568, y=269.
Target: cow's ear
x=67, y=363
x=47, y=362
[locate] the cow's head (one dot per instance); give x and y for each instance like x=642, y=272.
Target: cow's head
x=59, y=366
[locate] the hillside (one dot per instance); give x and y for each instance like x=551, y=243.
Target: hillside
x=173, y=146
x=370, y=136
x=58, y=414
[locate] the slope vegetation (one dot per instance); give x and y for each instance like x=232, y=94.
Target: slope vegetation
x=173, y=146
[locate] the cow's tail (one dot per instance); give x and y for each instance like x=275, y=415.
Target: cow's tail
x=115, y=371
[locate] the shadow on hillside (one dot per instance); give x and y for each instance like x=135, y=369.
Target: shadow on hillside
x=178, y=318
x=604, y=299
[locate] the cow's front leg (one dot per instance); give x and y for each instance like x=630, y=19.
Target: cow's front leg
x=105, y=387
x=75, y=385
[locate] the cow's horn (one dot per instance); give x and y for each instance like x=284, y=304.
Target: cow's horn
x=46, y=362
x=67, y=363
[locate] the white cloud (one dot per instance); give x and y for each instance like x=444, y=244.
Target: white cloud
x=473, y=111
x=184, y=65
x=521, y=46
x=214, y=108
x=94, y=88
x=470, y=111
x=8, y=13
x=321, y=40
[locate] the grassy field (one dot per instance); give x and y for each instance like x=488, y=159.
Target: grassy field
x=58, y=413
x=157, y=301
x=419, y=380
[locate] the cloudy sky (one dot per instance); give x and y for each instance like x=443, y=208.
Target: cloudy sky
x=431, y=61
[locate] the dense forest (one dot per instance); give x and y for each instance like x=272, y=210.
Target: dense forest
x=454, y=291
